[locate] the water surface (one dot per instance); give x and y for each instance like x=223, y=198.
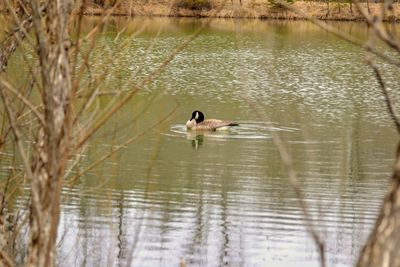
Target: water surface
x=215, y=199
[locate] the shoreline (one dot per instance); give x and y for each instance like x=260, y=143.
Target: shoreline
x=256, y=9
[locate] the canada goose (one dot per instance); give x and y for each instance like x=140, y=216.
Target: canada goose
x=197, y=122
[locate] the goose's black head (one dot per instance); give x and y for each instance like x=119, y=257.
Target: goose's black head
x=198, y=116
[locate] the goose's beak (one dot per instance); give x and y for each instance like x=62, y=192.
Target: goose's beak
x=190, y=123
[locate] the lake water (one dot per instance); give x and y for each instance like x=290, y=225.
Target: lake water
x=224, y=198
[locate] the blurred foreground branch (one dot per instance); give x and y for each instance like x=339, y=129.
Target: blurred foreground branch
x=388, y=101
x=383, y=243
x=294, y=181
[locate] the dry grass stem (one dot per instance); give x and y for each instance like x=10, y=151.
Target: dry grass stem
x=17, y=135
x=115, y=149
x=21, y=24
x=31, y=107
x=5, y=260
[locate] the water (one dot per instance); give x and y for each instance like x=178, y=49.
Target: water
x=223, y=198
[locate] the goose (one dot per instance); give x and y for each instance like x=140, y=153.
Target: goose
x=197, y=122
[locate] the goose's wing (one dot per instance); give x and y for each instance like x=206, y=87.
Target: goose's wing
x=214, y=124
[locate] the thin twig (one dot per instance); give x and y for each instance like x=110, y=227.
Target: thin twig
x=17, y=135
x=100, y=78
x=293, y=179
x=32, y=108
x=92, y=36
x=340, y=34
x=15, y=39
x=118, y=148
x=20, y=23
x=5, y=259
x=378, y=27
x=385, y=93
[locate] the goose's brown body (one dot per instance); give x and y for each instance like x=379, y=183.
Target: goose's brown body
x=197, y=122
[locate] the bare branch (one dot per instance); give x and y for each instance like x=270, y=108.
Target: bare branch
x=115, y=149
x=293, y=179
x=32, y=108
x=383, y=243
x=17, y=35
x=385, y=93
x=5, y=259
x=12, y=43
x=17, y=135
x=78, y=39
x=20, y=23
x=379, y=28
x=296, y=185
x=92, y=36
x=341, y=35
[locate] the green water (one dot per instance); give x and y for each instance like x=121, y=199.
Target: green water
x=224, y=198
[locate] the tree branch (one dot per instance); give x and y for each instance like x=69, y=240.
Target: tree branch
x=118, y=148
x=17, y=135
x=32, y=108
x=379, y=28
x=385, y=93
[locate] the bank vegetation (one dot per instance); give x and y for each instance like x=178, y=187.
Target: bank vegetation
x=264, y=9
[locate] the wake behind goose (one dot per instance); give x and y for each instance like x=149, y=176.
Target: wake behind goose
x=245, y=130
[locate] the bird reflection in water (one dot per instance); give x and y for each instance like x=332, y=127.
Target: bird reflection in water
x=197, y=139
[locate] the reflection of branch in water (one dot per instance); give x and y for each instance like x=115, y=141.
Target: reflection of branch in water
x=149, y=182
x=199, y=223
x=224, y=224
x=120, y=241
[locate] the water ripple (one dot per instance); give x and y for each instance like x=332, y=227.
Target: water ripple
x=245, y=130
